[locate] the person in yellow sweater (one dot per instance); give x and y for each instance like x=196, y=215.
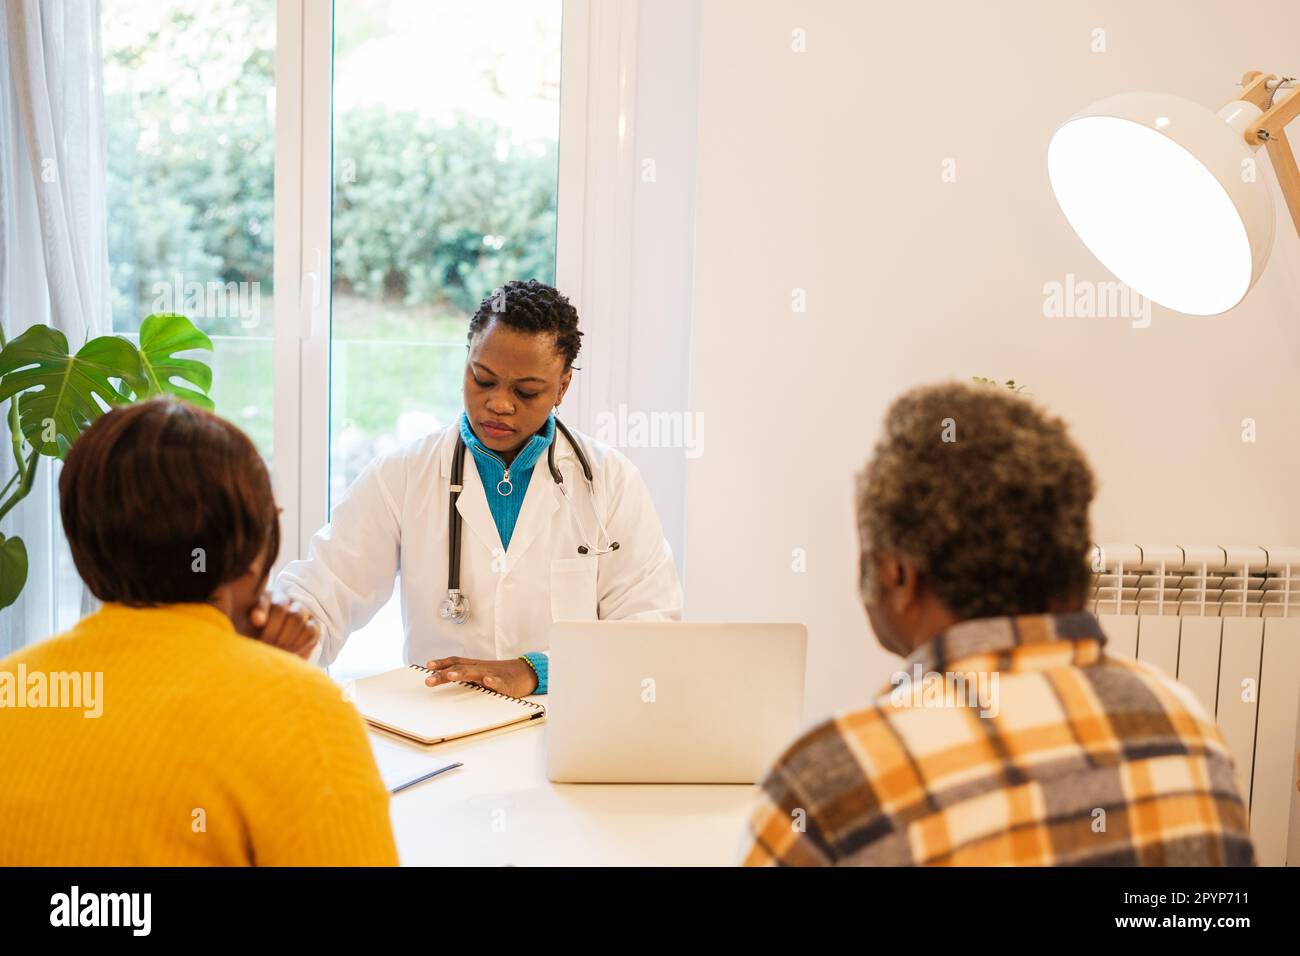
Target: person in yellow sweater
x=176, y=725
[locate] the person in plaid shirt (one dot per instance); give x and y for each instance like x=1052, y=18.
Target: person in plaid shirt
x=1009, y=736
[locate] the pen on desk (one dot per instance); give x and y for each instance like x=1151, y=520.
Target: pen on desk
x=433, y=773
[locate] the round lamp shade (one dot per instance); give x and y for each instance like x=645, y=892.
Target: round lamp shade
x=1165, y=193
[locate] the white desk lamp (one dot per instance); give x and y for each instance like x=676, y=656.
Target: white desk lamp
x=1167, y=195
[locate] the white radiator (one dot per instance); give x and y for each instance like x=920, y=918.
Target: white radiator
x=1225, y=621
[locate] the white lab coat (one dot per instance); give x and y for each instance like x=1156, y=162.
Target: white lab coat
x=394, y=518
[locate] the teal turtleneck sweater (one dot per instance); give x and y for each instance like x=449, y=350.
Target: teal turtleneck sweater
x=505, y=487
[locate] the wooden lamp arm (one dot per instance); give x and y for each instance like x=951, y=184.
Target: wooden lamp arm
x=1254, y=88
x=1269, y=131
x=1288, y=173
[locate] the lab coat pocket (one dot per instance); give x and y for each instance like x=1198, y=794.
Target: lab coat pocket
x=573, y=589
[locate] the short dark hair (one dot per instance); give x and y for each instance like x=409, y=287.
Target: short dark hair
x=985, y=493
x=147, y=485
x=532, y=306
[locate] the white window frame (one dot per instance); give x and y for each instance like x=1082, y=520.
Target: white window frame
x=303, y=165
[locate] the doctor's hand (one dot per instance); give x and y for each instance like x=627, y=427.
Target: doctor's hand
x=286, y=625
x=515, y=678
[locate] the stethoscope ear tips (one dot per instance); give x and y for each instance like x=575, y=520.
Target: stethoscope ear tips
x=582, y=549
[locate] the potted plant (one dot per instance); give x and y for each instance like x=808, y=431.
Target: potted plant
x=54, y=395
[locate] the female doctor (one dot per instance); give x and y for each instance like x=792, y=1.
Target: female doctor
x=499, y=524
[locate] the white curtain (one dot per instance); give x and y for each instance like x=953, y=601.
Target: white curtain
x=53, y=250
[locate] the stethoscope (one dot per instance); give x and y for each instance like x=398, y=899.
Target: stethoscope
x=456, y=607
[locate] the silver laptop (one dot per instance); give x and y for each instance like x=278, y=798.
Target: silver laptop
x=671, y=702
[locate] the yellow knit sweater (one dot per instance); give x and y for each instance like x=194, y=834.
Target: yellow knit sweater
x=208, y=749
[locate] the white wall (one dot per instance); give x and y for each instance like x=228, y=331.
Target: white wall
x=821, y=171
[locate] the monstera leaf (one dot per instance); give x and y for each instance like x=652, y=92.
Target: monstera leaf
x=61, y=394
x=13, y=569
x=58, y=390
x=161, y=336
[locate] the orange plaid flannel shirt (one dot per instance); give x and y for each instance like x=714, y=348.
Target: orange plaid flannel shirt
x=1022, y=743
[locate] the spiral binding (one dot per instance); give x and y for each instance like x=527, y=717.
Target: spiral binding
x=480, y=687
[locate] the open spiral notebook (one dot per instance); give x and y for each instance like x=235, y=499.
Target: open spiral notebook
x=399, y=701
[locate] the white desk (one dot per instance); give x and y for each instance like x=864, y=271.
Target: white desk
x=499, y=810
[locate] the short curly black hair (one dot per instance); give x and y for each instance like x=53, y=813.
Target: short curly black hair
x=988, y=496
x=532, y=306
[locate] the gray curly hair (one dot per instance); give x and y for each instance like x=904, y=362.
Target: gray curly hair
x=985, y=493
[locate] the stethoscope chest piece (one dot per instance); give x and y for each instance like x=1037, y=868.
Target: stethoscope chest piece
x=454, y=608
